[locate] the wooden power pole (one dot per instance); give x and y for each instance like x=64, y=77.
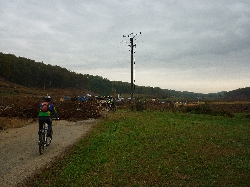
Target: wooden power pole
x=132, y=65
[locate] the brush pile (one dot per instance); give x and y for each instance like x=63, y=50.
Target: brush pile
x=27, y=107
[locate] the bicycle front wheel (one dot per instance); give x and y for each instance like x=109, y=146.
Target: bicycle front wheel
x=41, y=143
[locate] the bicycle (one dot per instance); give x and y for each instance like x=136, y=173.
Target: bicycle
x=44, y=140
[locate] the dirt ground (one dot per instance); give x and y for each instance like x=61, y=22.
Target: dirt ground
x=20, y=157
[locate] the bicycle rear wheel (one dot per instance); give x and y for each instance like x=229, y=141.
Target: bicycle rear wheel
x=41, y=143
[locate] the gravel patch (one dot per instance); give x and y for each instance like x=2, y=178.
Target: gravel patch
x=20, y=157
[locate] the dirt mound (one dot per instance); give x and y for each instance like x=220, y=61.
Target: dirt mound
x=19, y=103
x=26, y=107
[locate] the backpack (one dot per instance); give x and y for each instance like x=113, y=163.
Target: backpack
x=45, y=107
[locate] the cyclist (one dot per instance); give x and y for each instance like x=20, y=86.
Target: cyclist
x=111, y=103
x=44, y=115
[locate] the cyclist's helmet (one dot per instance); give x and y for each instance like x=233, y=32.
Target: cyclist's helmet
x=47, y=98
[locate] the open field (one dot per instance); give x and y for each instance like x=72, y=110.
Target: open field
x=157, y=144
x=156, y=148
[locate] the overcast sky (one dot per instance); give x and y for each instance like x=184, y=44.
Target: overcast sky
x=185, y=45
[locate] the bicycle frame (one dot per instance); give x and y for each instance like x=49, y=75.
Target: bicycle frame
x=43, y=139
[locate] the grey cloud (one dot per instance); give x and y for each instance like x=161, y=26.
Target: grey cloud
x=177, y=37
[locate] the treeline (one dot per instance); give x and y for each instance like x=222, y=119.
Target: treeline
x=29, y=73
x=238, y=94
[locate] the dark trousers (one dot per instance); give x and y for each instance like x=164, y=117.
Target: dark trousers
x=46, y=119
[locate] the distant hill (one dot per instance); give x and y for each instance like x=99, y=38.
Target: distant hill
x=9, y=88
x=238, y=94
x=31, y=74
x=38, y=75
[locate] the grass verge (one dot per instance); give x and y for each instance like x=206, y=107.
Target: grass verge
x=156, y=148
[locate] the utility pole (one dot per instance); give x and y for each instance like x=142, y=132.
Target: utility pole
x=132, y=36
x=132, y=71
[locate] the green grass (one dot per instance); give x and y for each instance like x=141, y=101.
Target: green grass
x=154, y=148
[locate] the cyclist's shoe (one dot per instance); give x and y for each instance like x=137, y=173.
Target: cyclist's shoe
x=49, y=134
x=48, y=142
